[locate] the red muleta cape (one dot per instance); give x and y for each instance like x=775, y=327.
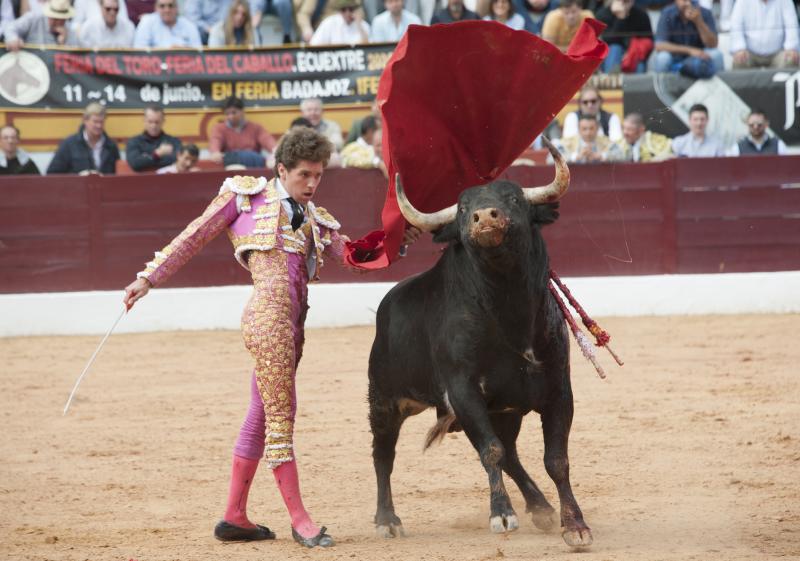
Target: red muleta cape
x=460, y=102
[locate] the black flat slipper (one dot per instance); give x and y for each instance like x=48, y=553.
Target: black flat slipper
x=226, y=532
x=322, y=539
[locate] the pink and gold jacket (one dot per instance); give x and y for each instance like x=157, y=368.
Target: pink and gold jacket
x=250, y=208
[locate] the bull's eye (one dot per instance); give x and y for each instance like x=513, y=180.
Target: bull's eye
x=513, y=200
x=462, y=210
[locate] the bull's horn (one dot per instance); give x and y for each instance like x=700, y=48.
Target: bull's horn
x=550, y=193
x=425, y=222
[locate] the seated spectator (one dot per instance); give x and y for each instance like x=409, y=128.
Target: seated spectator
x=355, y=126
x=185, y=162
x=87, y=10
x=9, y=11
x=502, y=11
x=534, y=12
x=90, y=150
x=561, y=24
x=758, y=142
x=205, y=14
x=347, y=27
x=236, y=29
x=50, y=27
x=281, y=8
x=303, y=14
x=629, y=37
x=640, y=144
x=165, y=28
x=361, y=153
x=455, y=11
x=696, y=143
x=139, y=8
x=552, y=132
x=764, y=33
x=312, y=110
x=237, y=141
x=590, y=103
x=108, y=31
x=389, y=26
x=13, y=159
x=589, y=147
x=153, y=148
x=686, y=41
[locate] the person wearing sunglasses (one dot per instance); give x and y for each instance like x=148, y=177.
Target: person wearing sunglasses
x=346, y=27
x=455, y=11
x=108, y=31
x=757, y=141
x=590, y=103
x=164, y=28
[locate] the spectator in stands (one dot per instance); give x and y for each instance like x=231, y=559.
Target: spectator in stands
x=629, y=37
x=50, y=27
x=281, y=8
x=9, y=11
x=764, y=33
x=758, y=142
x=534, y=12
x=502, y=11
x=237, y=141
x=696, y=143
x=13, y=159
x=312, y=110
x=109, y=31
x=90, y=150
x=590, y=103
x=153, y=148
x=139, y=8
x=236, y=29
x=589, y=147
x=389, y=26
x=166, y=28
x=205, y=14
x=640, y=144
x=362, y=154
x=355, y=126
x=185, y=162
x=304, y=11
x=87, y=10
x=561, y=24
x=686, y=41
x=347, y=27
x=455, y=11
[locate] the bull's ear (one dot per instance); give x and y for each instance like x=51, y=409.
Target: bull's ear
x=543, y=214
x=447, y=233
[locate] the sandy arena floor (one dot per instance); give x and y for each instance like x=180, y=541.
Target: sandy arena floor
x=691, y=451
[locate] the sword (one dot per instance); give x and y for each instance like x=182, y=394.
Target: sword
x=91, y=360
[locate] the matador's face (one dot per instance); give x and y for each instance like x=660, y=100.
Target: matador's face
x=301, y=181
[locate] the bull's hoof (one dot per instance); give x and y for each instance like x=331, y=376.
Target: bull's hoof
x=544, y=519
x=503, y=523
x=390, y=531
x=577, y=537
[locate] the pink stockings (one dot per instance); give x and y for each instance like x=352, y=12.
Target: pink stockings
x=244, y=469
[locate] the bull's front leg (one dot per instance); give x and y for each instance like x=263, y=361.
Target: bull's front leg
x=472, y=414
x=556, y=423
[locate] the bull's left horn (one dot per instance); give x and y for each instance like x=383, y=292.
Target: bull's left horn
x=423, y=221
x=550, y=193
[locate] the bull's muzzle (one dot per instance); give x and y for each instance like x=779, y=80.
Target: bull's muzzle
x=488, y=227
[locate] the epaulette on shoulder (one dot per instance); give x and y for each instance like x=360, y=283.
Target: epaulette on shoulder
x=244, y=185
x=325, y=218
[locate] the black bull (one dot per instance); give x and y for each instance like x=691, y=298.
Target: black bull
x=480, y=338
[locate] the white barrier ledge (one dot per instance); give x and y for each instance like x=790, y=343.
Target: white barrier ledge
x=336, y=305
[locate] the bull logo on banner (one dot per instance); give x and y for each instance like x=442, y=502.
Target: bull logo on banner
x=24, y=78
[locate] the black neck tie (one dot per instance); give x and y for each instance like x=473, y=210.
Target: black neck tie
x=297, y=214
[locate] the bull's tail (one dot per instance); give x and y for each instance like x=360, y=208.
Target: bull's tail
x=441, y=428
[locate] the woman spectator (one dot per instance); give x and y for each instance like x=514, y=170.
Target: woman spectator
x=236, y=29
x=502, y=11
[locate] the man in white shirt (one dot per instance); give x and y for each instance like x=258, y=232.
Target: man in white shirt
x=696, y=143
x=108, y=31
x=165, y=28
x=347, y=27
x=312, y=110
x=389, y=26
x=764, y=33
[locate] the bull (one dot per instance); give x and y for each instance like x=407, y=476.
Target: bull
x=480, y=338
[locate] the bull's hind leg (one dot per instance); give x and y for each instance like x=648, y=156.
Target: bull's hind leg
x=470, y=409
x=507, y=426
x=385, y=419
x=556, y=422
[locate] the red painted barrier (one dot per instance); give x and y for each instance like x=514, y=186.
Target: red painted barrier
x=64, y=233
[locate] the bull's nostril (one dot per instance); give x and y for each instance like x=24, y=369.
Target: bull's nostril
x=475, y=217
x=493, y=213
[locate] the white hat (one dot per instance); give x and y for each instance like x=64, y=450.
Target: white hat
x=58, y=9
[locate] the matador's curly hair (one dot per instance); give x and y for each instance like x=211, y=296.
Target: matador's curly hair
x=302, y=143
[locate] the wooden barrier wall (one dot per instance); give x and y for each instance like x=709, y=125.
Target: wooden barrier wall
x=68, y=233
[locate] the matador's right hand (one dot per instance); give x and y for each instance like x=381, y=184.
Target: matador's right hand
x=136, y=290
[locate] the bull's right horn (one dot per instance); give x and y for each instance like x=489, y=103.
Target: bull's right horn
x=425, y=222
x=550, y=193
